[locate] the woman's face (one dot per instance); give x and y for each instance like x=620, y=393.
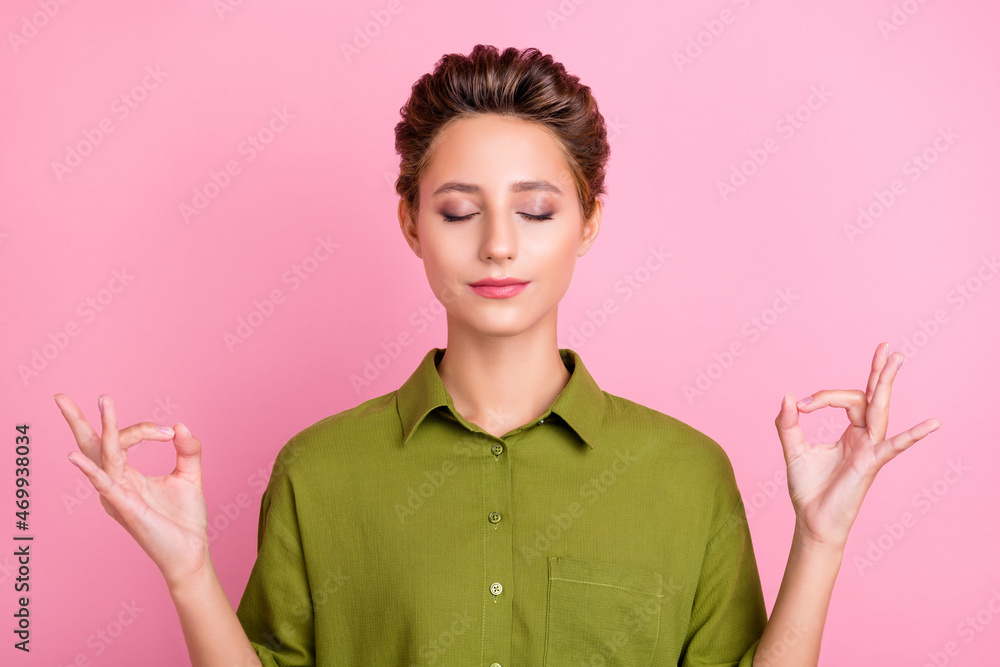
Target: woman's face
x=498, y=201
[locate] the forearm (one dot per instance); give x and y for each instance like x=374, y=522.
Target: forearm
x=214, y=635
x=795, y=628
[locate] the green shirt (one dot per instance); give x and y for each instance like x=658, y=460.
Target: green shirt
x=601, y=533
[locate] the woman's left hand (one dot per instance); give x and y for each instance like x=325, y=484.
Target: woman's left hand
x=827, y=482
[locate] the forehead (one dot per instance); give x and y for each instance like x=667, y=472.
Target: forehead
x=494, y=150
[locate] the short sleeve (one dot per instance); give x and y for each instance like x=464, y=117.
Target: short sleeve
x=728, y=615
x=276, y=610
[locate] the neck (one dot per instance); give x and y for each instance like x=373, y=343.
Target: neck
x=502, y=382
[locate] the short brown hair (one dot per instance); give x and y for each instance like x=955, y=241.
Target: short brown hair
x=526, y=84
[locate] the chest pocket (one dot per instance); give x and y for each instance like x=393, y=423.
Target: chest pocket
x=601, y=614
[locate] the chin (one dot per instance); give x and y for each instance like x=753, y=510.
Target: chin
x=498, y=328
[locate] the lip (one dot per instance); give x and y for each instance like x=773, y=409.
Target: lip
x=499, y=281
x=498, y=288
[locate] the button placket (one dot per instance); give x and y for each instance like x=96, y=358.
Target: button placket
x=498, y=550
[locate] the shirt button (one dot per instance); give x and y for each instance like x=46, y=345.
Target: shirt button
x=497, y=449
x=494, y=517
x=495, y=664
x=496, y=588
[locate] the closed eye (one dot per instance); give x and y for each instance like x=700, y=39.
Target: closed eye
x=535, y=218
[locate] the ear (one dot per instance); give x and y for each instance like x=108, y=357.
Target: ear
x=409, y=227
x=591, y=227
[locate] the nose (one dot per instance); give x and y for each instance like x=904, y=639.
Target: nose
x=499, y=241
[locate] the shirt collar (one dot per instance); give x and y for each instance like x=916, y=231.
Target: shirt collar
x=580, y=404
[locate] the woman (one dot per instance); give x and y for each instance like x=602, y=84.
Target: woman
x=500, y=508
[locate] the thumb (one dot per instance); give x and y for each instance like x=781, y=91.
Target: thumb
x=789, y=431
x=188, y=454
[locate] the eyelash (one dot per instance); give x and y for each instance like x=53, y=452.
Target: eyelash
x=534, y=218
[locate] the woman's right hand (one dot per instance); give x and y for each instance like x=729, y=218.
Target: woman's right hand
x=165, y=515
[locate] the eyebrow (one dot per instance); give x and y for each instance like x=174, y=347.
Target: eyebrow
x=517, y=186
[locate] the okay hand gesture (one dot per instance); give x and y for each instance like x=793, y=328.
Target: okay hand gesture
x=828, y=482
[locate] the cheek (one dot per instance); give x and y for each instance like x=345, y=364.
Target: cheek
x=558, y=252
x=442, y=272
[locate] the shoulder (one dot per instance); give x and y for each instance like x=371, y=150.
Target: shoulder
x=666, y=438
x=333, y=440
x=676, y=466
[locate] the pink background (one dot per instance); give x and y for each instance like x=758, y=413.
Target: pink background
x=678, y=127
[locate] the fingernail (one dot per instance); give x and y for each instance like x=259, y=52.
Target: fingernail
x=100, y=404
x=804, y=401
x=899, y=363
x=165, y=429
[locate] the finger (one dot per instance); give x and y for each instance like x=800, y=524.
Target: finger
x=136, y=433
x=110, y=490
x=852, y=400
x=86, y=438
x=789, y=431
x=877, y=415
x=112, y=456
x=887, y=450
x=878, y=361
x=188, y=454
